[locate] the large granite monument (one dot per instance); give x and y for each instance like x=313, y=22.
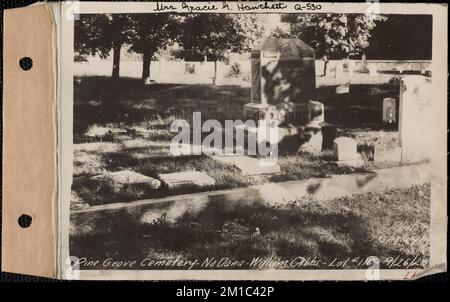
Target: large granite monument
x=283, y=81
x=283, y=88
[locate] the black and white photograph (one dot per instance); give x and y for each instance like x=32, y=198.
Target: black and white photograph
x=245, y=142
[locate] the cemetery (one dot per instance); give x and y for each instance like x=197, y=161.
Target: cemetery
x=347, y=151
x=316, y=139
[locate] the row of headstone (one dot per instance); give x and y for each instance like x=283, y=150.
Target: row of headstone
x=121, y=179
x=283, y=85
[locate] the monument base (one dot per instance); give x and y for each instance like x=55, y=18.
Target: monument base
x=285, y=113
x=257, y=111
x=299, y=124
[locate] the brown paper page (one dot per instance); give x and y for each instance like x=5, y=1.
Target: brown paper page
x=29, y=142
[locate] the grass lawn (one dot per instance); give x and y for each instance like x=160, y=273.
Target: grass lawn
x=388, y=224
x=125, y=125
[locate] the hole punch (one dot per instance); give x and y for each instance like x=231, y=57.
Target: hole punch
x=26, y=63
x=25, y=221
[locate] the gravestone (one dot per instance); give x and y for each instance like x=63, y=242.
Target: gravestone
x=329, y=134
x=416, y=139
x=283, y=88
x=122, y=178
x=283, y=78
x=389, y=111
x=345, y=152
x=256, y=75
x=250, y=165
x=187, y=178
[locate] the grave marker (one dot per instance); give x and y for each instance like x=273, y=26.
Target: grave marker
x=122, y=178
x=283, y=77
x=345, y=151
x=414, y=117
x=187, y=178
x=389, y=111
x=250, y=165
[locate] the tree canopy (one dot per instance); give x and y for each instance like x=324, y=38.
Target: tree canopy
x=151, y=33
x=214, y=36
x=336, y=36
x=99, y=34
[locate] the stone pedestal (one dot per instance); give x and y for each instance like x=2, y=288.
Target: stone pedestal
x=257, y=111
x=304, y=120
x=310, y=113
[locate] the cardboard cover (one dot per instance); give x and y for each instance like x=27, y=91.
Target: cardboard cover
x=29, y=142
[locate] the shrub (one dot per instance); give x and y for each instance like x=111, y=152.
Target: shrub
x=394, y=82
x=235, y=70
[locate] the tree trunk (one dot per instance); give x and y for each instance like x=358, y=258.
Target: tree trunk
x=325, y=65
x=116, y=61
x=215, y=73
x=146, y=61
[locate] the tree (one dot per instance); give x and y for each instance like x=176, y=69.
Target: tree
x=412, y=42
x=333, y=36
x=152, y=32
x=99, y=34
x=214, y=36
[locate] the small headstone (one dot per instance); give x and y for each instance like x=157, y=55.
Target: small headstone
x=127, y=177
x=387, y=154
x=389, y=111
x=187, y=178
x=345, y=151
x=250, y=165
x=328, y=135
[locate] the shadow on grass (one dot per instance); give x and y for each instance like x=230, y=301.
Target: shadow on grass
x=242, y=229
x=99, y=100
